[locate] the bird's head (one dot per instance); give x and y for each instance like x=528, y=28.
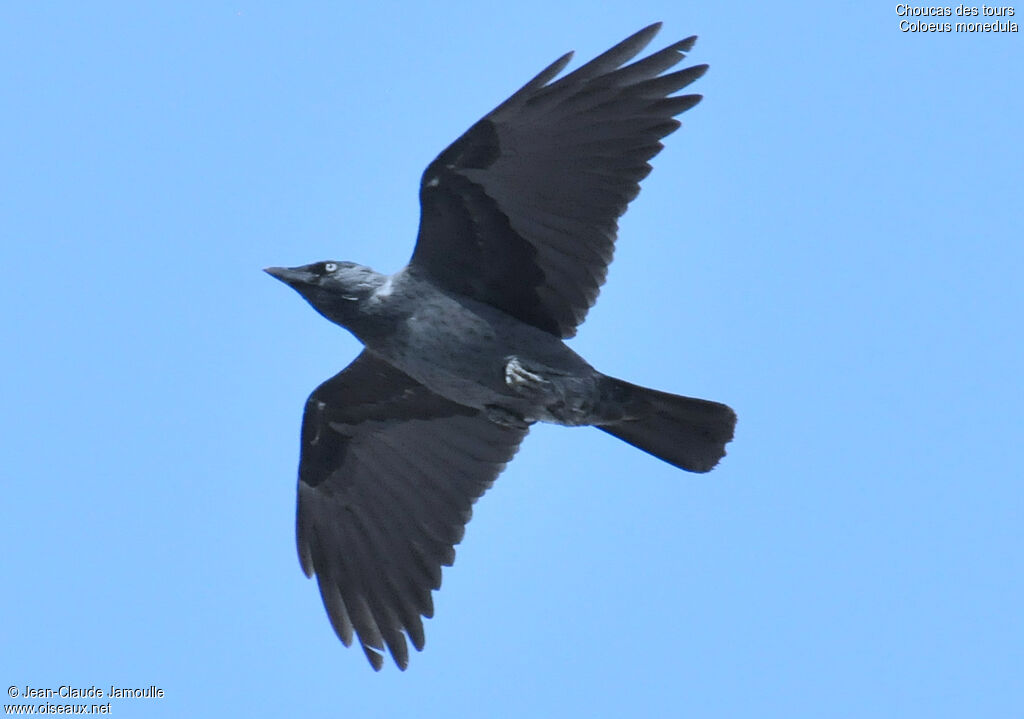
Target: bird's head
x=337, y=290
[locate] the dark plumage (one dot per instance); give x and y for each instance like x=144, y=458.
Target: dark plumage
x=463, y=346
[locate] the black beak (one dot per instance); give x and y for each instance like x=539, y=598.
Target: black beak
x=291, y=276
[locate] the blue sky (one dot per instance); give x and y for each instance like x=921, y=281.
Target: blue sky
x=831, y=244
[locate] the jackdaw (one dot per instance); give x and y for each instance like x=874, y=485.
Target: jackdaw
x=463, y=346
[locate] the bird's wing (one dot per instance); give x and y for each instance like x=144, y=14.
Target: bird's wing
x=521, y=212
x=388, y=473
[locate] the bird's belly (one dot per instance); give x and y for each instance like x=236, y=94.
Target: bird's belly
x=460, y=358
x=462, y=355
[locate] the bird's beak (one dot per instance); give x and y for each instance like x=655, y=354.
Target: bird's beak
x=291, y=276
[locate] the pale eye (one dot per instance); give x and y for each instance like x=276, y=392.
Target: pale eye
x=330, y=267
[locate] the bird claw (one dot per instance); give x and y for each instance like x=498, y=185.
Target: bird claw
x=522, y=380
x=505, y=417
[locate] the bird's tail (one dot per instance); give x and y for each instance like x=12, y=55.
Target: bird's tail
x=686, y=432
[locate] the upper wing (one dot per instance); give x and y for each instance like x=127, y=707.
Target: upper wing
x=521, y=212
x=388, y=474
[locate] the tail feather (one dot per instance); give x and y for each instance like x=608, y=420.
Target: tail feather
x=686, y=432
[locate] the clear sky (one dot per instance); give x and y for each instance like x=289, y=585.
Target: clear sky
x=832, y=244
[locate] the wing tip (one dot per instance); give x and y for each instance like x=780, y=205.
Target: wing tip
x=641, y=38
x=374, y=656
x=653, y=29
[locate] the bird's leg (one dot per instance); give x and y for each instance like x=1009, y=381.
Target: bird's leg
x=505, y=417
x=560, y=398
x=525, y=382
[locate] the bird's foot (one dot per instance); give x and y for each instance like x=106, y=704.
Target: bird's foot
x=523, y=381
x=505, y=417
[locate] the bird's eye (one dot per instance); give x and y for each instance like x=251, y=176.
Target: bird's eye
x=330, y=267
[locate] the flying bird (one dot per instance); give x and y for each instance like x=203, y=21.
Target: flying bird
x=463, y=347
